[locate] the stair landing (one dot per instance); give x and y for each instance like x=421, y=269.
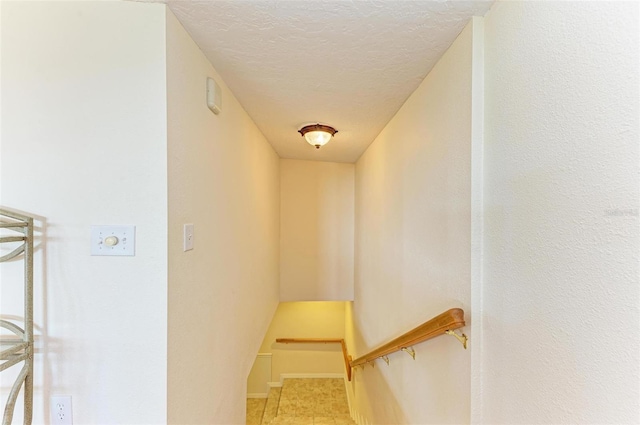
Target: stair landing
x=315, y=401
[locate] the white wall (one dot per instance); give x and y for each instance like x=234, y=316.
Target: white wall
x=321, y=319
x=259, y=377
x=223, y=178
x=316, y=231
x=83, y=141
x=561, y=337
x=413, y=247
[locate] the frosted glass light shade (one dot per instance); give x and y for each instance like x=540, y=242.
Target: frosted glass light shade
x=317, y=134
x=317, y=138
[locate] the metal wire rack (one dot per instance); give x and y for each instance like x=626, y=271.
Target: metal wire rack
x=17, y=232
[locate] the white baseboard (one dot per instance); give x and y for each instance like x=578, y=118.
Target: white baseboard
x=283, y=376
x=310, y=375
x=257, y=395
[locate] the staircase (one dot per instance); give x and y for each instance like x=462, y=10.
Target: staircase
x=315, y=401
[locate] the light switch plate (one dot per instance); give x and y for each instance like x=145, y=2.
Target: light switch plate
x=188, y=237
x=113, y=240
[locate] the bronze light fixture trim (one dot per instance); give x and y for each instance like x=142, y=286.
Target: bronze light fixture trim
x=317, y=134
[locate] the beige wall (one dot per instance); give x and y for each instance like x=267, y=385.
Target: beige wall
x=316, y=231
x=223, y=178
x=413, y=248
x=561, y=332
x=259, y=377
x=306, y=320
x=86, y=98
x=554, y=225
x=83, y=142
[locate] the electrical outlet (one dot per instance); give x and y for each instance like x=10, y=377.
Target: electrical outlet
x=61, y=413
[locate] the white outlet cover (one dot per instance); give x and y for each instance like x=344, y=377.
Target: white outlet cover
x=61, y=412
x=113, y=240
x=188, y=237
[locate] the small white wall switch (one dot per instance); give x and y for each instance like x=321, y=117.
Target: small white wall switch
x=61, y=413
x=214, y=96
x=113, y=240
x=188, y=237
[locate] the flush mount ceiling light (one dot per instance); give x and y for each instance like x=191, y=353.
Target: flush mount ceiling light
x=317, y=134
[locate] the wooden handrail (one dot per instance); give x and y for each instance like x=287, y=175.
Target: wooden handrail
x=345, y=355
x=447, y=321
x=439, y=325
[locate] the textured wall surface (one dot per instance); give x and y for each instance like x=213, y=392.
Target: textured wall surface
x=84, y=142
x=316, y=230
x=305, y=320
x=413, y=201
x=223, y=178
x=561, y=290
x=259, y=376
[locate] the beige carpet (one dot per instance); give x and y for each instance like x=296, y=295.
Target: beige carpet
x=317, y=401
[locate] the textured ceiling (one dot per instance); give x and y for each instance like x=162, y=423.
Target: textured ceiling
x=349, y=64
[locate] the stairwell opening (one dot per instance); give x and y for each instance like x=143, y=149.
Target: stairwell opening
x=307, y=382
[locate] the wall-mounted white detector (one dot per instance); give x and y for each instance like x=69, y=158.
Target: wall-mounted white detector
x=214, y=96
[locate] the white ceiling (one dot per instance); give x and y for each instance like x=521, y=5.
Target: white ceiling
x=349, y=64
